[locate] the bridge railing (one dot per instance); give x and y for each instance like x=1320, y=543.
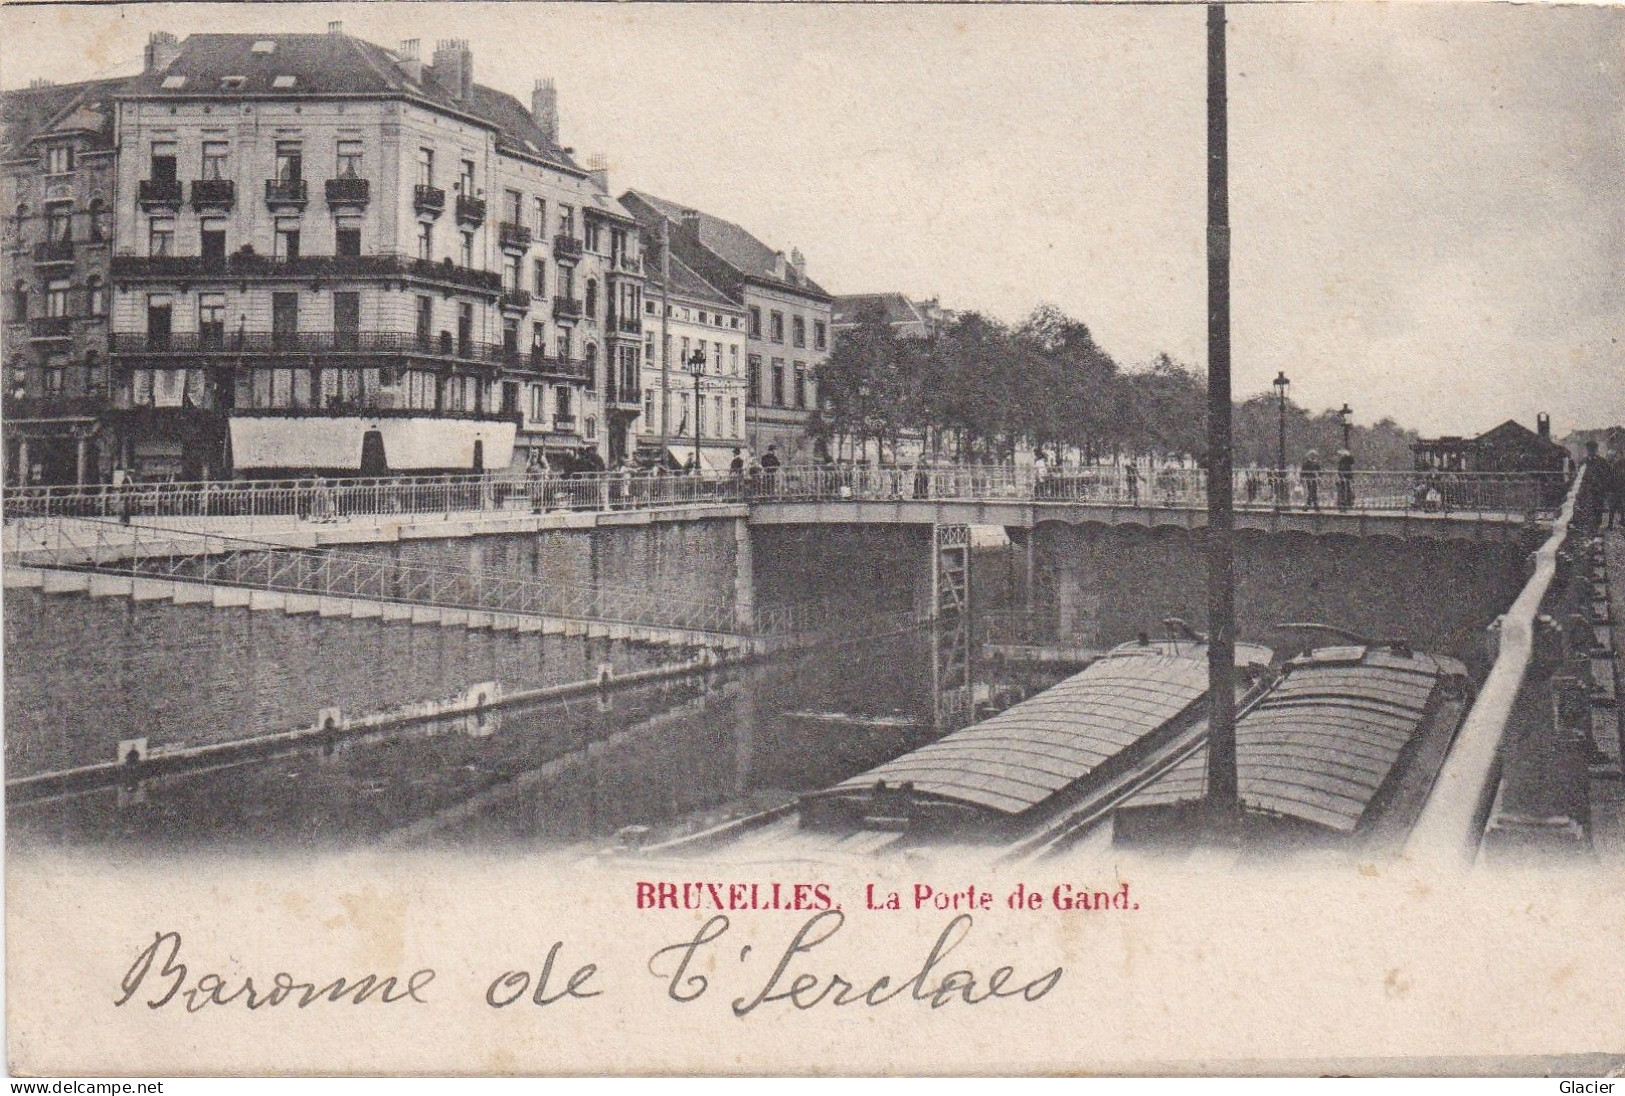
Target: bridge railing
x=1461, y=494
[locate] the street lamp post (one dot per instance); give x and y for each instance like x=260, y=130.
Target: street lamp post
x=1346, y=413
x=696, y=365
x=1281, y=384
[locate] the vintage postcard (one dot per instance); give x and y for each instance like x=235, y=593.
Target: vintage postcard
x=813, y=539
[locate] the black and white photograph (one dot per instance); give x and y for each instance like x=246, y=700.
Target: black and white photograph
x=862, y=531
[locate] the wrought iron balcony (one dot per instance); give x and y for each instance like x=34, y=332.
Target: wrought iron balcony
x=53, y=251
x=286, y=192
x=349, y=190
x=304, y=344
x=151, y=193
x=337, y=409
x=470, y=211
x=623, y=395
x=631, y=264
x=213, y=193
x=428, y=199
x=539, y=362
x=516, y=299
x=514, y=237
x=629, y=325
x=50, y=327
x=250, y=265
x=54, y=407
x=566, y=247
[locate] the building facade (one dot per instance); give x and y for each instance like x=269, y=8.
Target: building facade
x=331, y=257
x=908, y=319
x=695, y=384
x=56, y=191
x=788, y=316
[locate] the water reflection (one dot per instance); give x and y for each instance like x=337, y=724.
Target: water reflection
x=569, y=772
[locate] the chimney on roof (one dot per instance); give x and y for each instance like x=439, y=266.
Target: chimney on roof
x=162, y=49
x=1543, y=425
x=410, y=59
x=39, y=82
x=691, y=222
x=780, y=267
x=454, y=68
x=544, y=108
x=798, y=262
x=598, y=171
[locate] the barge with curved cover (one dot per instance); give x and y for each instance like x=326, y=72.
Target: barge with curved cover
x=1102, y=731
x=1342, y=751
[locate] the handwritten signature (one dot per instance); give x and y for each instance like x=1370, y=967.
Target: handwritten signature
x=159, y=977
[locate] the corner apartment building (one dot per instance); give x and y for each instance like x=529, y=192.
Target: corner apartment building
x=788, y=323
x=701, y=338
x=332, y=257
x=56, y=194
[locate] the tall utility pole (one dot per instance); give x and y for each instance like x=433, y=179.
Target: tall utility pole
x=1223, y=797
x=665, y=339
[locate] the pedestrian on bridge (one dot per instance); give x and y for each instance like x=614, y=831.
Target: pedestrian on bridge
x=1598, y=489
x=770, y=468
x=1310, y=470
x=1345, y=480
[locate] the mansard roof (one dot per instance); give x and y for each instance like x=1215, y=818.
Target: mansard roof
x=749, y=257
x=28, y=114
x=327, y=65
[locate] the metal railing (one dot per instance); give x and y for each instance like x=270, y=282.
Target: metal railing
x=286, y=191
x=213, y=193
x=428, y=199
x=1503, y=496
x=150, y=192
x=54, y=251
x=228, y=343
x=514, y=236
x=349, y=190
x=246, y=264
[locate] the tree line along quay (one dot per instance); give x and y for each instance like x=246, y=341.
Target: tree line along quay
x=974, y=388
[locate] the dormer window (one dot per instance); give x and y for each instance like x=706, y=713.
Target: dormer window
x=233, y=83
x=264, y=45
x=173, y=83
x=59, y=159
x=284, y=81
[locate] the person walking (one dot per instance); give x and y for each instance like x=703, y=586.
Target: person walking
x=1597, y=488
x=1345, y=480
x=1310, y=470
x=770, y=469
x=1132, y=476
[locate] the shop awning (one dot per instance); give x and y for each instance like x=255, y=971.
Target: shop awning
x=711, y=460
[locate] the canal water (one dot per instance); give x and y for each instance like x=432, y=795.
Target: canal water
x=671, y=756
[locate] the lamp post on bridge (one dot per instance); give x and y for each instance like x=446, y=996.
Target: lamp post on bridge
x=1281, y=385
x=1346, y=413
x=696, y=365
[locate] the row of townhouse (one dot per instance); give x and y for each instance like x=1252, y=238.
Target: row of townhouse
x=286, y=254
